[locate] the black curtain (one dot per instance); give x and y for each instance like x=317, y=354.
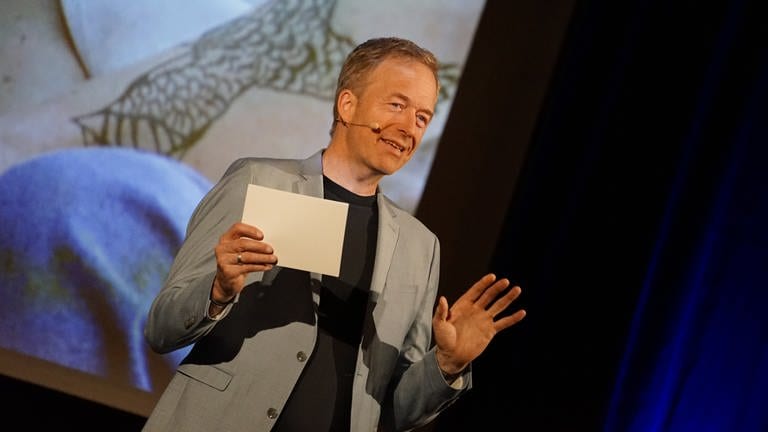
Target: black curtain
x=638, y=230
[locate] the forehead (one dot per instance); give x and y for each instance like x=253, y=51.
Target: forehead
x=396, y=75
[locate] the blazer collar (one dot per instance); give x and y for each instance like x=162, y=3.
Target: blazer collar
x=311, y=176
x=389, y=230
x=311, y=183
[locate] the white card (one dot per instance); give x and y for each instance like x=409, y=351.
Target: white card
x=307, y=233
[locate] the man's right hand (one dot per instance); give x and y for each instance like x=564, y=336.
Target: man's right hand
x=241, y=250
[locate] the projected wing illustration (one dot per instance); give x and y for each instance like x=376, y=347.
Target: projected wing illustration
x=287, y=46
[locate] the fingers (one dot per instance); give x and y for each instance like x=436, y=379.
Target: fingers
x=249, y=259
x=509, y=321
x=239, y=229
x=233, y=267
x=241, y=251
x=485, y=292
x=242, y=246
x=254, y=255
x=499, y=305
x=244, y=251
x=479, y=287
x=247, y=245
x=491, y=293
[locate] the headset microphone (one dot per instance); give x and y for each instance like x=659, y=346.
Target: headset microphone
x=374, y=127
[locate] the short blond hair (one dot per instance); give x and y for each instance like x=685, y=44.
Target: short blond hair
x=369, y=54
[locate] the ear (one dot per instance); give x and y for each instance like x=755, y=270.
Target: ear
x=346, y=104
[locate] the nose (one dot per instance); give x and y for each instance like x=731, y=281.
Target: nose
x=408, y=124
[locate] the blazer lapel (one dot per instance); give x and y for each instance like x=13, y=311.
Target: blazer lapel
x=310, y=179
x=310, y=182
x=389, y=230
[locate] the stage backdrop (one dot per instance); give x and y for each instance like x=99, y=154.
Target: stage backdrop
x=117, y=117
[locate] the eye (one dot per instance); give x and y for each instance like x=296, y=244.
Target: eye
x=422, y=119
x=397, y=105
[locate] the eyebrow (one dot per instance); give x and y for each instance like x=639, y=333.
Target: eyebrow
x=408, y=100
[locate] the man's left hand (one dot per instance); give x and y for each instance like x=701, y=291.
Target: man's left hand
x=464, y=331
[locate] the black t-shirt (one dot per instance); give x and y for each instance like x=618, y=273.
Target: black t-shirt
x=321, y=400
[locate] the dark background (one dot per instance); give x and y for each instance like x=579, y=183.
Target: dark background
x=607, y=157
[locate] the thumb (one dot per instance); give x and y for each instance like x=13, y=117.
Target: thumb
x=442, y=309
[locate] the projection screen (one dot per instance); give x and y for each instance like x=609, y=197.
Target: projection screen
x=117, y=117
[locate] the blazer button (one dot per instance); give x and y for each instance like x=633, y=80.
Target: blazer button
x=301, y=356
x=272, y=413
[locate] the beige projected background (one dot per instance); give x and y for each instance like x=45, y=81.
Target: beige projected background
x=197, y=82
x=259, y=84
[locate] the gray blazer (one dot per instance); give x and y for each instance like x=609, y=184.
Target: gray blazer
x=244, y=366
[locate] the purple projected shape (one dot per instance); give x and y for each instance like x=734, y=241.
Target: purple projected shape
x=87, y=237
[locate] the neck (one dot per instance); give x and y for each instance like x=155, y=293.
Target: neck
x=350, y=174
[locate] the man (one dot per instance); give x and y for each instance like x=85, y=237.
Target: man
x=281, y=349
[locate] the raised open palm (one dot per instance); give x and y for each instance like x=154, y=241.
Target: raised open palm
x=463, y=331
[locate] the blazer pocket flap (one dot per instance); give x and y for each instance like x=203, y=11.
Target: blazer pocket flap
x=206, y=374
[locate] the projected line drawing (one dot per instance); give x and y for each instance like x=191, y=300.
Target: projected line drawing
x=284, y=45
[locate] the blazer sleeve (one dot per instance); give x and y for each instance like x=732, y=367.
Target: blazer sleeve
x=178, y=315
x=420, y=392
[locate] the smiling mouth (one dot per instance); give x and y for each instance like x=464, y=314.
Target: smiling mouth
x=394, y=145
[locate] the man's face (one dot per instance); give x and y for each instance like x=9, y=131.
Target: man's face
x=400, y=96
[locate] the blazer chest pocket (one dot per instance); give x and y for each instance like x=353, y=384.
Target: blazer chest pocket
x=209, y=375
